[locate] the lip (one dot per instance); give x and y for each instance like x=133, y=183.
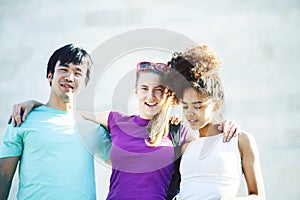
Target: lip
x=151, y=105
x=193, y=122
x=67, y=87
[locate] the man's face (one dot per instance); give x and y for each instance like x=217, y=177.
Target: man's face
x=67, y=80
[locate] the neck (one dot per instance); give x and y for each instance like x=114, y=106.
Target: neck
x=209, y=130
x=145, y=117
x=59, y=104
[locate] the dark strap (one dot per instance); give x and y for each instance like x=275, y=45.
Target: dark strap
x=173, y=189
x=175, y=135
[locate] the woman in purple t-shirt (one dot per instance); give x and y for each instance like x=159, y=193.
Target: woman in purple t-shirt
x=142, y=161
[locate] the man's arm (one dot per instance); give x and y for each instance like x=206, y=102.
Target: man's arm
x=7, y=170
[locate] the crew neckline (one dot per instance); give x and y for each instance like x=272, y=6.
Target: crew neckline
x=211, y=136
x=140, y=121
x=54, y=110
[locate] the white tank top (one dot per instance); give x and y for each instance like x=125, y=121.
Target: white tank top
x=210, y=169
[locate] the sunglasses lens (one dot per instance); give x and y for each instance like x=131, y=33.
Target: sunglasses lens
x=161, y=67
x=144, y=65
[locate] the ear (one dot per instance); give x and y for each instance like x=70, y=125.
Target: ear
x=50, y=77
x=217, y=105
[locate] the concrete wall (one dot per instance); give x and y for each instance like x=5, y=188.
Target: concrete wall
x=258, y=41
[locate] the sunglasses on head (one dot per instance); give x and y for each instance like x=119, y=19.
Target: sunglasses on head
x=160, y=67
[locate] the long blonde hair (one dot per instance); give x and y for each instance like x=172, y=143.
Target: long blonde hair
x=158, y=127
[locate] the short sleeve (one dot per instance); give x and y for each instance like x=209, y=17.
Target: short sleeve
x=183, y=134
x=12, y=142
x=110, y=120
x=113, y=120
x=103, y=150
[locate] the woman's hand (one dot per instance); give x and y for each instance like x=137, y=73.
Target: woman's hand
x=175, y=119
x=21, y=110
x=230, y=129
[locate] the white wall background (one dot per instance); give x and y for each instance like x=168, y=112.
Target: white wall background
x=258, y=41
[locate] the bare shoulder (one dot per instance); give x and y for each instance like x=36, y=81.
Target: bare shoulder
x=246, y=137
x=190, y=136
x=184, y=147
x=247, y=142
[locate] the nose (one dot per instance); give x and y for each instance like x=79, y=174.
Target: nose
x=70, y=76
x=189, y=111
x=150, y=93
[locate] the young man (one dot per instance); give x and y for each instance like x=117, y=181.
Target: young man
x=54, y=164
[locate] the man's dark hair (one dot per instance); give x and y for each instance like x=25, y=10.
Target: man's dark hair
x=70, y=53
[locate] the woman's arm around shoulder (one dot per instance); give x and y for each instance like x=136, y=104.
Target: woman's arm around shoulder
x=21, y=110
x=99, y=117
x=189, y=138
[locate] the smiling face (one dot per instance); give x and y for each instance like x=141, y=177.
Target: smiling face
x=67, y=80
x=150, y=94
x=197, y=109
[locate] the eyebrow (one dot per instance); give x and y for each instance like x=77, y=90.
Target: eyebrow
x=195, y=102
x=159, y=86
x=64, y=64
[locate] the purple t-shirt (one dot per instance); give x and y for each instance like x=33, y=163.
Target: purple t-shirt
x=138, y=171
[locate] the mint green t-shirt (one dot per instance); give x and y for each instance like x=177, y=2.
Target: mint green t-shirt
x=54, y=163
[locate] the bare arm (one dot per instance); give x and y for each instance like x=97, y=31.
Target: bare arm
x=189, y=138
x=7, y=170
x=251, y=167
x=21, y=110
x=100, y=118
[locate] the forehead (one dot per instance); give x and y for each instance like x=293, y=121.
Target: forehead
x=193, y=95
x=149, y=79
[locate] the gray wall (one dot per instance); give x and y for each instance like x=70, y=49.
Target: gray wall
x=258, y=41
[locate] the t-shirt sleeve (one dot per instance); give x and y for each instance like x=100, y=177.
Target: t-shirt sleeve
x=109, y=121
x=12, y=142
x=183, y=134
x=104, y=148
x=113, y=117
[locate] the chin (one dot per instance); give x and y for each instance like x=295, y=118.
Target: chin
x=195, y=127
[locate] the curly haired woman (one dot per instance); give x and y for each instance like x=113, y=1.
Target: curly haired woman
x=211, y=169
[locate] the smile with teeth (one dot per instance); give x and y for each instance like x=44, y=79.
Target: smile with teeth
x=67, y=86
x=150, y=104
